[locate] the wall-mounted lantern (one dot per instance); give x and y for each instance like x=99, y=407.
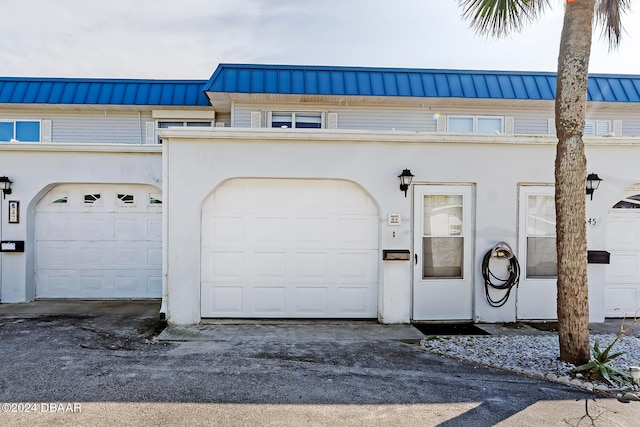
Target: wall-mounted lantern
x=405, y=180
x=593, y=182
x=5, y=186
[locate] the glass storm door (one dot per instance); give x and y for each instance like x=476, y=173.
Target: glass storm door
x=537, y=253
x=443, y=276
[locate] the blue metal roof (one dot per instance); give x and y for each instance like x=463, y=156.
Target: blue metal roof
x=359, y=81
x=20, y=90
x=310, y=80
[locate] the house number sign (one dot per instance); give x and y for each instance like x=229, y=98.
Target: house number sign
x=14, y=211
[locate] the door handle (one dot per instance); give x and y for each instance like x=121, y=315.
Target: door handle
x=416, y=258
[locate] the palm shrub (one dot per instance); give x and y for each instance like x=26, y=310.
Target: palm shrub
x=600, y=365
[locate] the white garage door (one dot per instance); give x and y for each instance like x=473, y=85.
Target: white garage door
x=289, y=248
x=623, y=242
x=99, y=241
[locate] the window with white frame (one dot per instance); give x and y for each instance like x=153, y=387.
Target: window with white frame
x=19, y=130
x=597, y=127
x=475, y=124
x=541, y=257
x=297, y=120
x=179, y=124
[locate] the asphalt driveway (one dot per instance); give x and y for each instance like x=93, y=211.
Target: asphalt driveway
x=79, y=368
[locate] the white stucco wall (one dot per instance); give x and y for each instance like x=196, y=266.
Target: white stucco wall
x=36, y=168
x=197, y=162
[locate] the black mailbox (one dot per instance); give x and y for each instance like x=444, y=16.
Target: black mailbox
x=396, y=255
x=12, y=246
x=598, y=257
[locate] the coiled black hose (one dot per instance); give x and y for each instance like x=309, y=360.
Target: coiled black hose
x=502, y=284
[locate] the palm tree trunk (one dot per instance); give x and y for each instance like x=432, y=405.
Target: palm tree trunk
x=570, y=177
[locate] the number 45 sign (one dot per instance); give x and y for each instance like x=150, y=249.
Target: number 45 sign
x=593, y=222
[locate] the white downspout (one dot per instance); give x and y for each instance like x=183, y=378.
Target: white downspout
x=165, y=229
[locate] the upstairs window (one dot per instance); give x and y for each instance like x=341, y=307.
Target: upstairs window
x=597, y=127
x=296, y=120
x=475, y=124
x=21, y=131
x=180, y=124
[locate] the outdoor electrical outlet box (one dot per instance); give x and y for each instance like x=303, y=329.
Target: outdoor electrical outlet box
x=12, y=246
x=598, y=257
x=396, y=255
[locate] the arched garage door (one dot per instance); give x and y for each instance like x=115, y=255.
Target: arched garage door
x=99, y=241
x=289, y=248
x=623, y=242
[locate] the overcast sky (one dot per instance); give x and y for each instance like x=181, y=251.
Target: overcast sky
x=187, y=39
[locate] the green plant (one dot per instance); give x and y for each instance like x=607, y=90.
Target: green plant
x=600, y=365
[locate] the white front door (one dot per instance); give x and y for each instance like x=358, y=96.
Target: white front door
x=443, y=255
x=537, y=291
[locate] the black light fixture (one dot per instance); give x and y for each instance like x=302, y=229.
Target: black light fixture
x=593, y=182
x=405, y=180
x=5, y=186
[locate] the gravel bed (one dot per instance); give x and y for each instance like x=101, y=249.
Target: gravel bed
x=535, y=355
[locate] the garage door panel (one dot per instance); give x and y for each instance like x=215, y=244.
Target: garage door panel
x=267, y=231
x=624, y=268
x=310, y=265
x=223, y=230
x=223, y=299
x=224, y=265
x=269, y=265
x=353, y=300
x=623, y=272
x=623, y=234
x=310, y=232
x=263, y=197
x=104, y=250
x=289, y=248
x=357, y=232
x=269, y=301
x=621, y=301
x=360, y=266
x=92, y=284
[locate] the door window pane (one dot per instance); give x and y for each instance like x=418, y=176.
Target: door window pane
x=541, y=236
x=541, y=257
x=442, y=241
x=442, y=215
x=442, y=257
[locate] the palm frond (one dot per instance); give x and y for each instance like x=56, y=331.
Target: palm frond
x=608, y=14
x=500, y=18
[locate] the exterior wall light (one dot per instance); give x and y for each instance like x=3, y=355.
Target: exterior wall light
x=593, y=182
x=5, y=186
x=405, y=180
